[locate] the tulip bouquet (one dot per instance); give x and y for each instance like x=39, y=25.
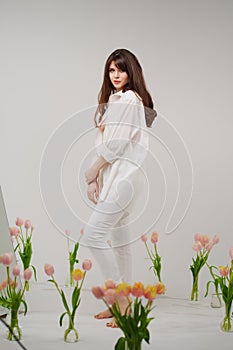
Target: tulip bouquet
x=224, y=279
x=134, y=320
x=153, y=256
x=71, y=334
x=11, y=295
x=23, y=243
x=72, y=255
x=203, y=245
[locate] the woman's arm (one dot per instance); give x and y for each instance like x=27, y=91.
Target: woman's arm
x=92, y=173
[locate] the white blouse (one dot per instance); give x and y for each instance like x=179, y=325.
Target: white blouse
x=122, y=140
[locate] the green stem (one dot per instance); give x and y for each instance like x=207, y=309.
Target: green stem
x=194, y=294
x=148, y=251
x=14, y=325
x=226, y=324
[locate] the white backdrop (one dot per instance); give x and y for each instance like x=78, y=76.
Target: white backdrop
x=52, y=58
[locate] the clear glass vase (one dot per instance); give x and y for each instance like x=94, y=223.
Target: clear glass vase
x=227, y=323
x=133, y=345
x=216, y=301
x=14, y=325
x=194, y=293
x=71, y=334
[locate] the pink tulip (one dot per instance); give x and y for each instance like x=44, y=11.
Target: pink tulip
x=86, y=265
x=216, y=239
x=27, y=224
x=209, y=246
x=197, y=237
x=205, y=239
x=144, y=237
x=14, y=231
x=16, y=271
x=197, y=246
x=98, y=292
x=67, y=232
x=49, y=269
x=231, y=253
x=19, y=222
x=154, y=237
x=110, y=296
x=27, y=275
x=224, y=270
x=110, y=284
x=7, y=259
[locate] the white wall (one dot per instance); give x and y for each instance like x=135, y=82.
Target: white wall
x=52, y=57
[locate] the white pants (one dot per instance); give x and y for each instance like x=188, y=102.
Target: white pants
x=109, y=222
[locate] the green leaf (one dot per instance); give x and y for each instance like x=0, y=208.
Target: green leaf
x=25, y=306
x=207, y=288
x=120, y=345
x=34, y=271
x=61, y=318
x=65, y=302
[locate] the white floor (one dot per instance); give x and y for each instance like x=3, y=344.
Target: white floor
x=178, y=324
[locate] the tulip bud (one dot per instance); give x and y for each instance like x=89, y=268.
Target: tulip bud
x=19, y=222
x=97, y=292
x=27, y=224
x=77, y=275
x=27, y=275
x=154, y=237
x=7, y=259
x=110, y=284
x=216, y=239
x=16, y=271
x=49, y=269
x=86, y=265
x=197, y=237
x=14, y=231
x=144, y=237
x=224, y=270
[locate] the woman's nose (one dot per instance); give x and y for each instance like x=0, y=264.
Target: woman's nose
x=116, y=74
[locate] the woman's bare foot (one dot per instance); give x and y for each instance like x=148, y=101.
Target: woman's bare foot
x=123, y=304
x=103, y=314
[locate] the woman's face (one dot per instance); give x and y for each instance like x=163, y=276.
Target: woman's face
x=118, y=78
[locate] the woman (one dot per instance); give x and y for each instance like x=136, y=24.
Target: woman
x=125, y=110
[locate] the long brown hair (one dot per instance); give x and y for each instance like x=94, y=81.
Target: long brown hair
x=127, y=62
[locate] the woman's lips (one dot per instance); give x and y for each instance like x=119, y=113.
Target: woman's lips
x=116, y=81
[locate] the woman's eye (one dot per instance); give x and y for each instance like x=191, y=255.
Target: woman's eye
x=111, y=70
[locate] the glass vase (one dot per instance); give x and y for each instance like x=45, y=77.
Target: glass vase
x=14, y=325
x=227, y=323
x=71, y=333
x=194, y=293
x=133, y=345
x=216, y=301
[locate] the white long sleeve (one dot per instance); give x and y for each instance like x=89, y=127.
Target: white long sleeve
x=125, y=118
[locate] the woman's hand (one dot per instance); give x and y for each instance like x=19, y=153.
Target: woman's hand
x=93, y=191
x=91, y=174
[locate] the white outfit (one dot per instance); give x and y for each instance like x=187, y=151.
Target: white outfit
x=124, y=144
